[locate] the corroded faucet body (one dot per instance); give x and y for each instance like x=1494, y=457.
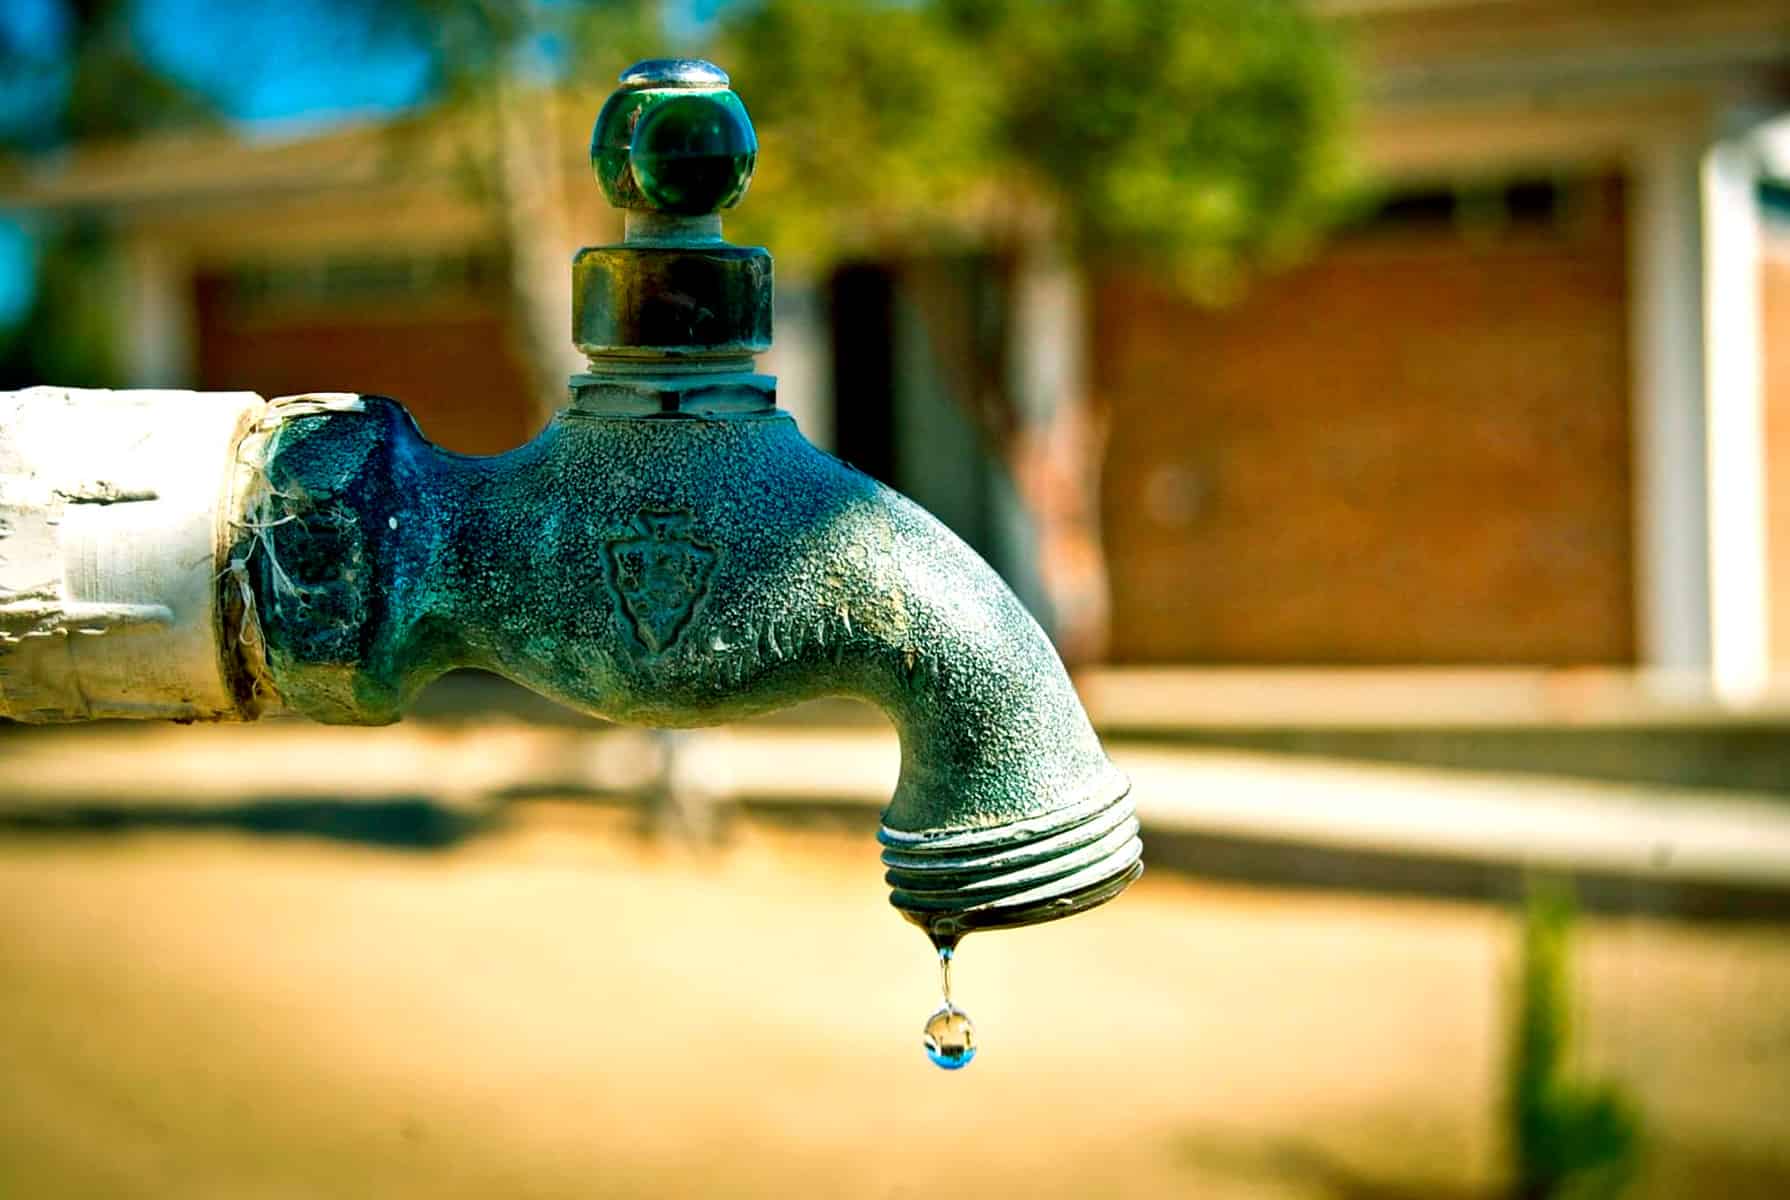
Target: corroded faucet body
x=671, y=551
x=688, y=570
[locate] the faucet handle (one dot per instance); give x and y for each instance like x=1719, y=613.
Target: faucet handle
x=674, y=139
x=673, y=146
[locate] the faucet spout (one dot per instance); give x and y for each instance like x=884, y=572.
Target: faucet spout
x=688, y=570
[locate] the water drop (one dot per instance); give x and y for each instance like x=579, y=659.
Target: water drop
x=950, y=1039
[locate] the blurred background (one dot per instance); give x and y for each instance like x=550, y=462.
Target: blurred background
x=1384, y=404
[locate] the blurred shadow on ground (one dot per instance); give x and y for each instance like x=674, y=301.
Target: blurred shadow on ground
x=1677, y=1169
x=422, y=823
x=395, y=823
x=1739, y=755
x=1287, y=1161
x=1316, y=867
x=471, y=696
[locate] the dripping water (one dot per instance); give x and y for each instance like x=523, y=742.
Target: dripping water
x=950, y=1039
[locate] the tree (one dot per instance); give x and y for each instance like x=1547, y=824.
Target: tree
x=494, y=65
x=96, y=83
x=1199, y=136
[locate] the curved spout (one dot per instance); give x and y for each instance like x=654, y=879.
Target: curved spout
x=687, y=569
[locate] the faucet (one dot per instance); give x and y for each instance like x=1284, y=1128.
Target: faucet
x=671, y=551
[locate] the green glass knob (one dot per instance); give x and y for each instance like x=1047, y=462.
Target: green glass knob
x=674, y=139
x=693, y=153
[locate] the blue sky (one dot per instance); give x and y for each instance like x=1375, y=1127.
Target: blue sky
x=267, y=64
x=283, y=62
x=275, y=67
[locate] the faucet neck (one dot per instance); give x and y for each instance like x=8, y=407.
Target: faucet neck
x=671, y=320
x=715, y=388
x=642, y=228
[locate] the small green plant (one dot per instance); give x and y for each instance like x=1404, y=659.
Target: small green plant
x=1569, y=1138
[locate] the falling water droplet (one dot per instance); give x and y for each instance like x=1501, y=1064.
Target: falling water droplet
x=950, y=1039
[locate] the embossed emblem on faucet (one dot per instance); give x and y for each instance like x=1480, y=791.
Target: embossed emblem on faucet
x=659, y=575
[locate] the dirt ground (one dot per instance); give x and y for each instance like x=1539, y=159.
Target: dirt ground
x=558, y=1009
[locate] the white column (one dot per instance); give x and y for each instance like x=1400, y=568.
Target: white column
x=801, y=357
x=1666, y=315
x=1702, y=580
x=158, y=315
x=1739, y=578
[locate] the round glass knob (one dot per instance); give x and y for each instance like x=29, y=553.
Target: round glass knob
x=693, y=153
x=674, y=138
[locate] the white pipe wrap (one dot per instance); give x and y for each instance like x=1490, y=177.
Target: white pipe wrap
x=116, y=519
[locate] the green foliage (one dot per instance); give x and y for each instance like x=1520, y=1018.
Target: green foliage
x=1568, y=1138
x=873, y=121
x=472, y=44
x=99, y=87
x=68, y=334
x=1196, y=134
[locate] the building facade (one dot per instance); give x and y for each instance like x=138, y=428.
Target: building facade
x=1529, y=412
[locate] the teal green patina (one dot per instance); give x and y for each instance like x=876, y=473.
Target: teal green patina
x=671, y=551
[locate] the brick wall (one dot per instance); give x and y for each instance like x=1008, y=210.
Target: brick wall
x=1414, y=449
x=444, y=348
